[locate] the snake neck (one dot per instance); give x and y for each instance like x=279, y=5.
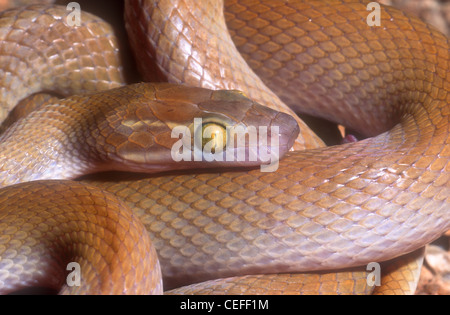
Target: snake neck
x=45, y=151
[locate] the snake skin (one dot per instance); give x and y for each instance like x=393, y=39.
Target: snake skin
x=397, y=277
x=323, y=59
x=360, y=76
x=183, y=59
x=246, y=222
x=325, y=208
x=400, y=276
x=64, y=227
x=62, y=59
x=282, y=284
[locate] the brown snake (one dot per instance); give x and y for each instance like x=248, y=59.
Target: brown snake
x=323, y=209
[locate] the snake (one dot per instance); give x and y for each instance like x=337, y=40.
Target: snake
x=324, y=209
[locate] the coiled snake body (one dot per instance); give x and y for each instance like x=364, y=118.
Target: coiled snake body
x=325, y=208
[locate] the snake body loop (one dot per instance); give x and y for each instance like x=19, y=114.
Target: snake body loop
x=35, y=59
x=324, y=208
x=393, y=81
x=66, y=213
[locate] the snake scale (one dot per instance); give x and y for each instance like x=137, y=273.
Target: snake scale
x=325, y=208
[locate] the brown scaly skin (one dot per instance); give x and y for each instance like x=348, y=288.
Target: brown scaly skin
x=35, y=59
x=218, y=67
x=343, y=62
x=73, y=222
x=326, y=208
x=398, y=277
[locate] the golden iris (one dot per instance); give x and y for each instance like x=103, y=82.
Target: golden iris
x=214, y=135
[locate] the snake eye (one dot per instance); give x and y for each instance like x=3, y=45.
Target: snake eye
x=214, y=137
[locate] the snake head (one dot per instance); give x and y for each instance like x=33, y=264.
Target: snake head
x=165, y=127
x=145, y=128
